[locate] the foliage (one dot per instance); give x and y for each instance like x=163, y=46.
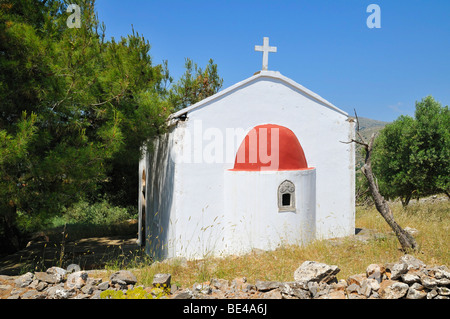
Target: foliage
x=412, y=155
x=100, y=213
x=136, y=293
x=195, y=85
x=76, y=109
x=362, y=191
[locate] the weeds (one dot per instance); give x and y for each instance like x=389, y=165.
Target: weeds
x=351, y=255
x=135, y=293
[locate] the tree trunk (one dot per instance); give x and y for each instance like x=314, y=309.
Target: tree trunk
x=11, y=239
x=406, y=240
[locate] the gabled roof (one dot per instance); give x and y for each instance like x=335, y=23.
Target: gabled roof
x=261, y=74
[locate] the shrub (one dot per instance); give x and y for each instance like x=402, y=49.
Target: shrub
x=136, y=293
x=100, y=213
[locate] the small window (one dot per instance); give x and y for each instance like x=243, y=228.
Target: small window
x=286, y=197
x=286, y=200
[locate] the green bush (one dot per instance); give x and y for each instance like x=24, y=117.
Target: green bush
x=100, y=213
x=136, y=293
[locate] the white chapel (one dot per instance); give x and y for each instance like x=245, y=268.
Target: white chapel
x=260, y=164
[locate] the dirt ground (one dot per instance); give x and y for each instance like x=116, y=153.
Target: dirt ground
x=88, y=253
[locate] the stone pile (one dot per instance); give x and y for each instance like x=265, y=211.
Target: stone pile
x=59, y=283
x=409, y=278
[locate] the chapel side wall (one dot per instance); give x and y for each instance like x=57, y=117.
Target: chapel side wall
x=198, y=194
x=160, y=202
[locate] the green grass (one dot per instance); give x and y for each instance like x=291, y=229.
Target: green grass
x=351, y=256
x=431, y=219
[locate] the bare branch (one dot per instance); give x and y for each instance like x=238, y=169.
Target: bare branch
x=355, y=141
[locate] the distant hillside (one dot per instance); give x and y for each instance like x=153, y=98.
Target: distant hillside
x=367, y=127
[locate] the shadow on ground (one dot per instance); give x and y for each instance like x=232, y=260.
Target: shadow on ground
x=88, y=253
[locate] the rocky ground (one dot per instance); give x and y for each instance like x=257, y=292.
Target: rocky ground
x=409, y=278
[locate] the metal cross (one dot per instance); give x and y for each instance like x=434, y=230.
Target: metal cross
x=265, y=49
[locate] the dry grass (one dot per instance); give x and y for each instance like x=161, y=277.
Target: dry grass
x=350, y=255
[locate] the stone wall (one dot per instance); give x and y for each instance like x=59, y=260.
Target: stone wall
x=409, y=278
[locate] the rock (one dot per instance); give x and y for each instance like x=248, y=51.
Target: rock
x=54, y=278
x=313, y=288
x=410, y=278
x=58, y=292
x=440, y=272
x=314, y=271
x=374, y=284
x=428, y=282
x=412, y=262
x=238, y=283
x=103, y=286
x=123, y=277
x=183, y=295
x=294, y=289
x=249, y=288
x=267, y=285
x=443, y=291
x=415, y=294
x=57, y=271
x=272, y=294
x=220, y=283
x=356, y=279
x=76, y=280
x=335, y=294
x=372, y=268
x=318, y=289
x=33, y=294
x=375, y=271
x=443, y=282
x=161, y=280
x=352, y=288
x=395, y=291
x=88, y=289
x=17, y=291
x=24, y=280
x=203, y=288
x=73, y=268
x=356, y=296
x=5, y=287
x=397, y=270
x=365, y=289
x=41, y=286
x=432, y=294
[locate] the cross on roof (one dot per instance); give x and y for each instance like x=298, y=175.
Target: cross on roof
x=265, y=49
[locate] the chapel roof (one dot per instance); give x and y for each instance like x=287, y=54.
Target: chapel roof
x=259, y=75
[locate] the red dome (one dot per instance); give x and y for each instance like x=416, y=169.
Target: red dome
x=255, y=152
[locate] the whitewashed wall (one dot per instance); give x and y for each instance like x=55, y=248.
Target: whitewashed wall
x=197, y=202
x=253, y=219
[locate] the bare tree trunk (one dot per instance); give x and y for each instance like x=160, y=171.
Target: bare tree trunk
x=406, y=240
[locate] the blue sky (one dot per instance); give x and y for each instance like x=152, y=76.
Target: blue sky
x=324, y=45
